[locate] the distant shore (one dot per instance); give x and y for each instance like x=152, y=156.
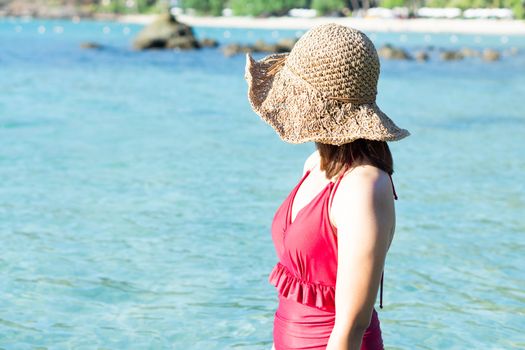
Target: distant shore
x=457, y=26
x=415, y=25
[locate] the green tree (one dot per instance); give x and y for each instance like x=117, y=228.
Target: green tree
x=479, y=3
x=216, y=7
x=258, y=7
x=393, y=3
x=462, y=4
x=144, y=6
x=518, y=7
x=243, y=8
x=436, y=3
x=205, y=7
x=324, y=7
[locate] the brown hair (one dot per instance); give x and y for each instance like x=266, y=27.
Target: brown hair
x=334, y=159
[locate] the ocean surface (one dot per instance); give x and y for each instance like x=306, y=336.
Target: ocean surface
x=137, y=191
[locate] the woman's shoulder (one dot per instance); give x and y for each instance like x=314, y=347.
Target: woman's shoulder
x=365, y=181
x=365, y=173
x=312, y=161
x=366, y=191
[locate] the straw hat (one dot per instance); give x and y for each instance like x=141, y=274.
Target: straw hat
x=324, y=90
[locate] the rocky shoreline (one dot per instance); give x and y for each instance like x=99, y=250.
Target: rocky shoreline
x=416, y=25
x=390, y=52
x=167, y=32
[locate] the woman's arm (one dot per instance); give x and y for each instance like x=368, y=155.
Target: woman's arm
x=363, y=212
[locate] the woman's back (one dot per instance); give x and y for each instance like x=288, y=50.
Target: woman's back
x=324, y=91
x=305, y=276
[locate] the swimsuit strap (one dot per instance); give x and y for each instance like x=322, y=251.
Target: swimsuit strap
x=292, y=194
x=381, y=291
x=332, y=193
x=383, y=273
x=393, y=187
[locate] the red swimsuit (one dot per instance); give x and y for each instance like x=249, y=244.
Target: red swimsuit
x=305, y=276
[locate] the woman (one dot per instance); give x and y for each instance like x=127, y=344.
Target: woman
x=334, y=230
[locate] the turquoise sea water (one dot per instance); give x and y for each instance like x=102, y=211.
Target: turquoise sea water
x=137, y=191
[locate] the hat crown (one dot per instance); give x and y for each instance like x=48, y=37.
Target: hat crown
x=337, y=61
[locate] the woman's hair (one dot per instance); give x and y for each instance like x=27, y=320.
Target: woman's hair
x=336, y=158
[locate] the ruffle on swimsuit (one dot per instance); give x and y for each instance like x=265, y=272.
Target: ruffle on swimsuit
x=304, y=292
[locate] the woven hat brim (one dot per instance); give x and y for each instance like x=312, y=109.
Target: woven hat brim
x=299, y=113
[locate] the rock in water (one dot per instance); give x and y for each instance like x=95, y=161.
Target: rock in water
x=263, y=46
x=393, y=53
x=468, y=52
x=234, y=49
x=491, y=55
x=421, y=56
x=207, y=42
x=451, y=55
x=166, y=33
x=91, y=45
x=285, y=45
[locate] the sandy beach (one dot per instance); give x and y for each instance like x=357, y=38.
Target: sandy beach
x=458, y=26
